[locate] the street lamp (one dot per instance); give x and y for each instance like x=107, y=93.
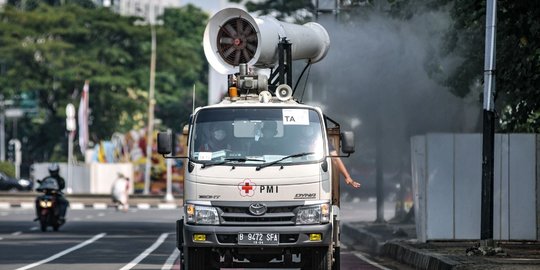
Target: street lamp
x=151, y=103
x=70, y=127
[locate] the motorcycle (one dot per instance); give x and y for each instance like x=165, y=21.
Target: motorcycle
x=47, y=205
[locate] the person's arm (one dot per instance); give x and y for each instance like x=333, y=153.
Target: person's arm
x=61, y=183
x=343, y=170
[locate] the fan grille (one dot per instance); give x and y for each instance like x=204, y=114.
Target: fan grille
x=237, y=41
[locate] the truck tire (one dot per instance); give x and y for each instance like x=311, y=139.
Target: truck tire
x=320, y=259
x=199, y=259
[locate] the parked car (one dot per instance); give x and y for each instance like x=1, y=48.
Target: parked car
x=11, y=184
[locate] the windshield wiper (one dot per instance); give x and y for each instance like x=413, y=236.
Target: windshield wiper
x=282, y=159
x=238, y=159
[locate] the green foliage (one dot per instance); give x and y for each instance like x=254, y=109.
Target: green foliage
x=181, y=62
x=284, y=10
x=7, y=168
x=49, y=51
x=517, y=59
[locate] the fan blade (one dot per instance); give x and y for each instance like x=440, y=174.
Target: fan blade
x=237, y=58
x=252, y=37
x=226, y=40
x=228, y=52
x=251, y=47
x=231, y=30
x=246, y=55
x=239, y=27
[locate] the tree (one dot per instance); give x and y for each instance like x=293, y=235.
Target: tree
x=518, y=59
x=181, y=64
x=49, y=51
x=284, y=10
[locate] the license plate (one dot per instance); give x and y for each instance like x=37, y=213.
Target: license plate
x=254, y=238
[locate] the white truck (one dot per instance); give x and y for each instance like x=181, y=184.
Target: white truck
x=254, y=198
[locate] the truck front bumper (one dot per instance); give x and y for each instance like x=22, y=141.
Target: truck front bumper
x=227, y=236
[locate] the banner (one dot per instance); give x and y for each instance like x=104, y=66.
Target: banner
x=83, y=118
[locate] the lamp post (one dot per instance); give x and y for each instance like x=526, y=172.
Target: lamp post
x=486, y=222
x=70, y=127
x=151, y=102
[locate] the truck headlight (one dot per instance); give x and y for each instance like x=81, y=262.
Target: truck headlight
x=198, y=214
x=314, y=214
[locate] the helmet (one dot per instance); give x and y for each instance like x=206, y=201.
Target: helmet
x=54, y=169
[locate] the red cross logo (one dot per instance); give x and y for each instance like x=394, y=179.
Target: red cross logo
x=247, y=188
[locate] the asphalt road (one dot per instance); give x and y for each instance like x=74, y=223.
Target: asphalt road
x=104, y=239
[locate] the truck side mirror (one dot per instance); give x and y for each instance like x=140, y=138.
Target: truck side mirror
x=164, y=143
x=347, y=142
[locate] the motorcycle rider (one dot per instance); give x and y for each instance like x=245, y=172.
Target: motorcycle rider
x=54, y=172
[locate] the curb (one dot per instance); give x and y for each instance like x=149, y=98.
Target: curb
x=398, y=250
x=360, y=236
x=420, y=259
x=81, y=206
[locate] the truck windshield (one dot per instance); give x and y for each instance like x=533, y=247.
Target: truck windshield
x=256, y=135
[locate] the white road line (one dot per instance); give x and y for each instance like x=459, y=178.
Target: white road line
x=27, y=205
x=170, y=261
x=364, y=258
x=16, y=233
x=76, y=206
x=34, y=229
x=143, y=206
x=100, y=206
x=58, y=255
x=1, y=238
x=166, y=206
x=146, y=252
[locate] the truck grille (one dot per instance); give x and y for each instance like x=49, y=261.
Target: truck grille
x=278, y=214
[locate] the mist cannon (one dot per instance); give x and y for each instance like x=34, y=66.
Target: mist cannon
x=232, y=37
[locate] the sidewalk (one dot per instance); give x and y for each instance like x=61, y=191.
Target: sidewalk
x=89, y=201
x=398, y=242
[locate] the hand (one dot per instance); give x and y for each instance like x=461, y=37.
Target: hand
x=351, y=182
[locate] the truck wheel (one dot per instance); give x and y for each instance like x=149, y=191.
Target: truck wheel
x=321, y=259
x=199, y=259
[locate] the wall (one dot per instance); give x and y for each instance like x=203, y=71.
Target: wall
x=94, y=178
x=447, y=176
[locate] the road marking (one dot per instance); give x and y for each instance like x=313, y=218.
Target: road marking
x=76, y=206
x=69, y=250
x=364, y=258
x=5, y=205
x=166, y=206
x=101, y=214
x=1, y=238
x=27, y=205
x=34, y=229
x=16, y=233
x=143, y=206
x=146, y=252
x=100, y=206
x=170, y=261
